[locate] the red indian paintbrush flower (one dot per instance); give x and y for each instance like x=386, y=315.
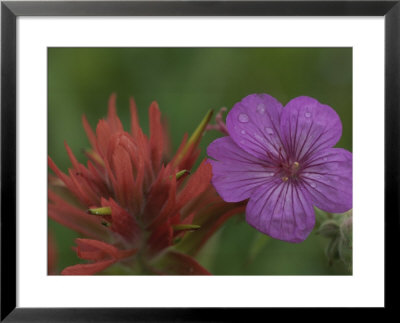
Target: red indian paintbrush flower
x=132, y=205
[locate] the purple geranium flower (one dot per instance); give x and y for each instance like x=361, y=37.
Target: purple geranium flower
x=282, y=160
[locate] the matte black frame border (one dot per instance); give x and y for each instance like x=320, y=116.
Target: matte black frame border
x=11, y=10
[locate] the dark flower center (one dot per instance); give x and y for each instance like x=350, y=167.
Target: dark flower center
x=289, y=170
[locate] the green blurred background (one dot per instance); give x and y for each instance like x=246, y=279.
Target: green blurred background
x=186, y=82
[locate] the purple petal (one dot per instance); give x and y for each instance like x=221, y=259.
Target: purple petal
x=328, y=179
x=235, y=172
x=281, y=210
x=254, y=125
x=308, y=126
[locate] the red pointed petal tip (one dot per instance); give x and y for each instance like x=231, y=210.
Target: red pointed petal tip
x=57, y=171
x=89, y=132
x=73, y=217
x=87, y=249
x=102, y=253
x=136, y=130
x=112, y=118
x=156, y=135
x=90, y=246
x=72, y=157
x=87, y=269
x=77, y=182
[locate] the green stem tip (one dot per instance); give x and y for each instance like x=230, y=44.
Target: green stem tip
x=196, y=136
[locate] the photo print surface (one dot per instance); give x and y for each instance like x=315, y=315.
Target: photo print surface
x=200, y=161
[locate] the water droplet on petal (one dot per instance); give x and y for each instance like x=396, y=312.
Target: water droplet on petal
x=243, y=117
x=325, y=158
x=307, y=114
x=259, y=138
x=314, y=185
x=269, y=131
x=243, y=132
x=261, y=108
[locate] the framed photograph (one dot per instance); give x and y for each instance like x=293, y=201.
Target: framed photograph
x=172, y=160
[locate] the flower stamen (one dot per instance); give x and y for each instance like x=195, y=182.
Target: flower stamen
x=100, y=211
x=185, y=227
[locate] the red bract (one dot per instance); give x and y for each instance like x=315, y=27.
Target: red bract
x=132, y=204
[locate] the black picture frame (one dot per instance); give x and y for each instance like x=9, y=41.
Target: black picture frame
x=10, y=10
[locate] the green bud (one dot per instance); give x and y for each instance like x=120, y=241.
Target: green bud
x=346, y=241
x=321, y=216
x=332, y=251
x=329, y=229
x=339, y=230
x=346, y=229
x=345, y=252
